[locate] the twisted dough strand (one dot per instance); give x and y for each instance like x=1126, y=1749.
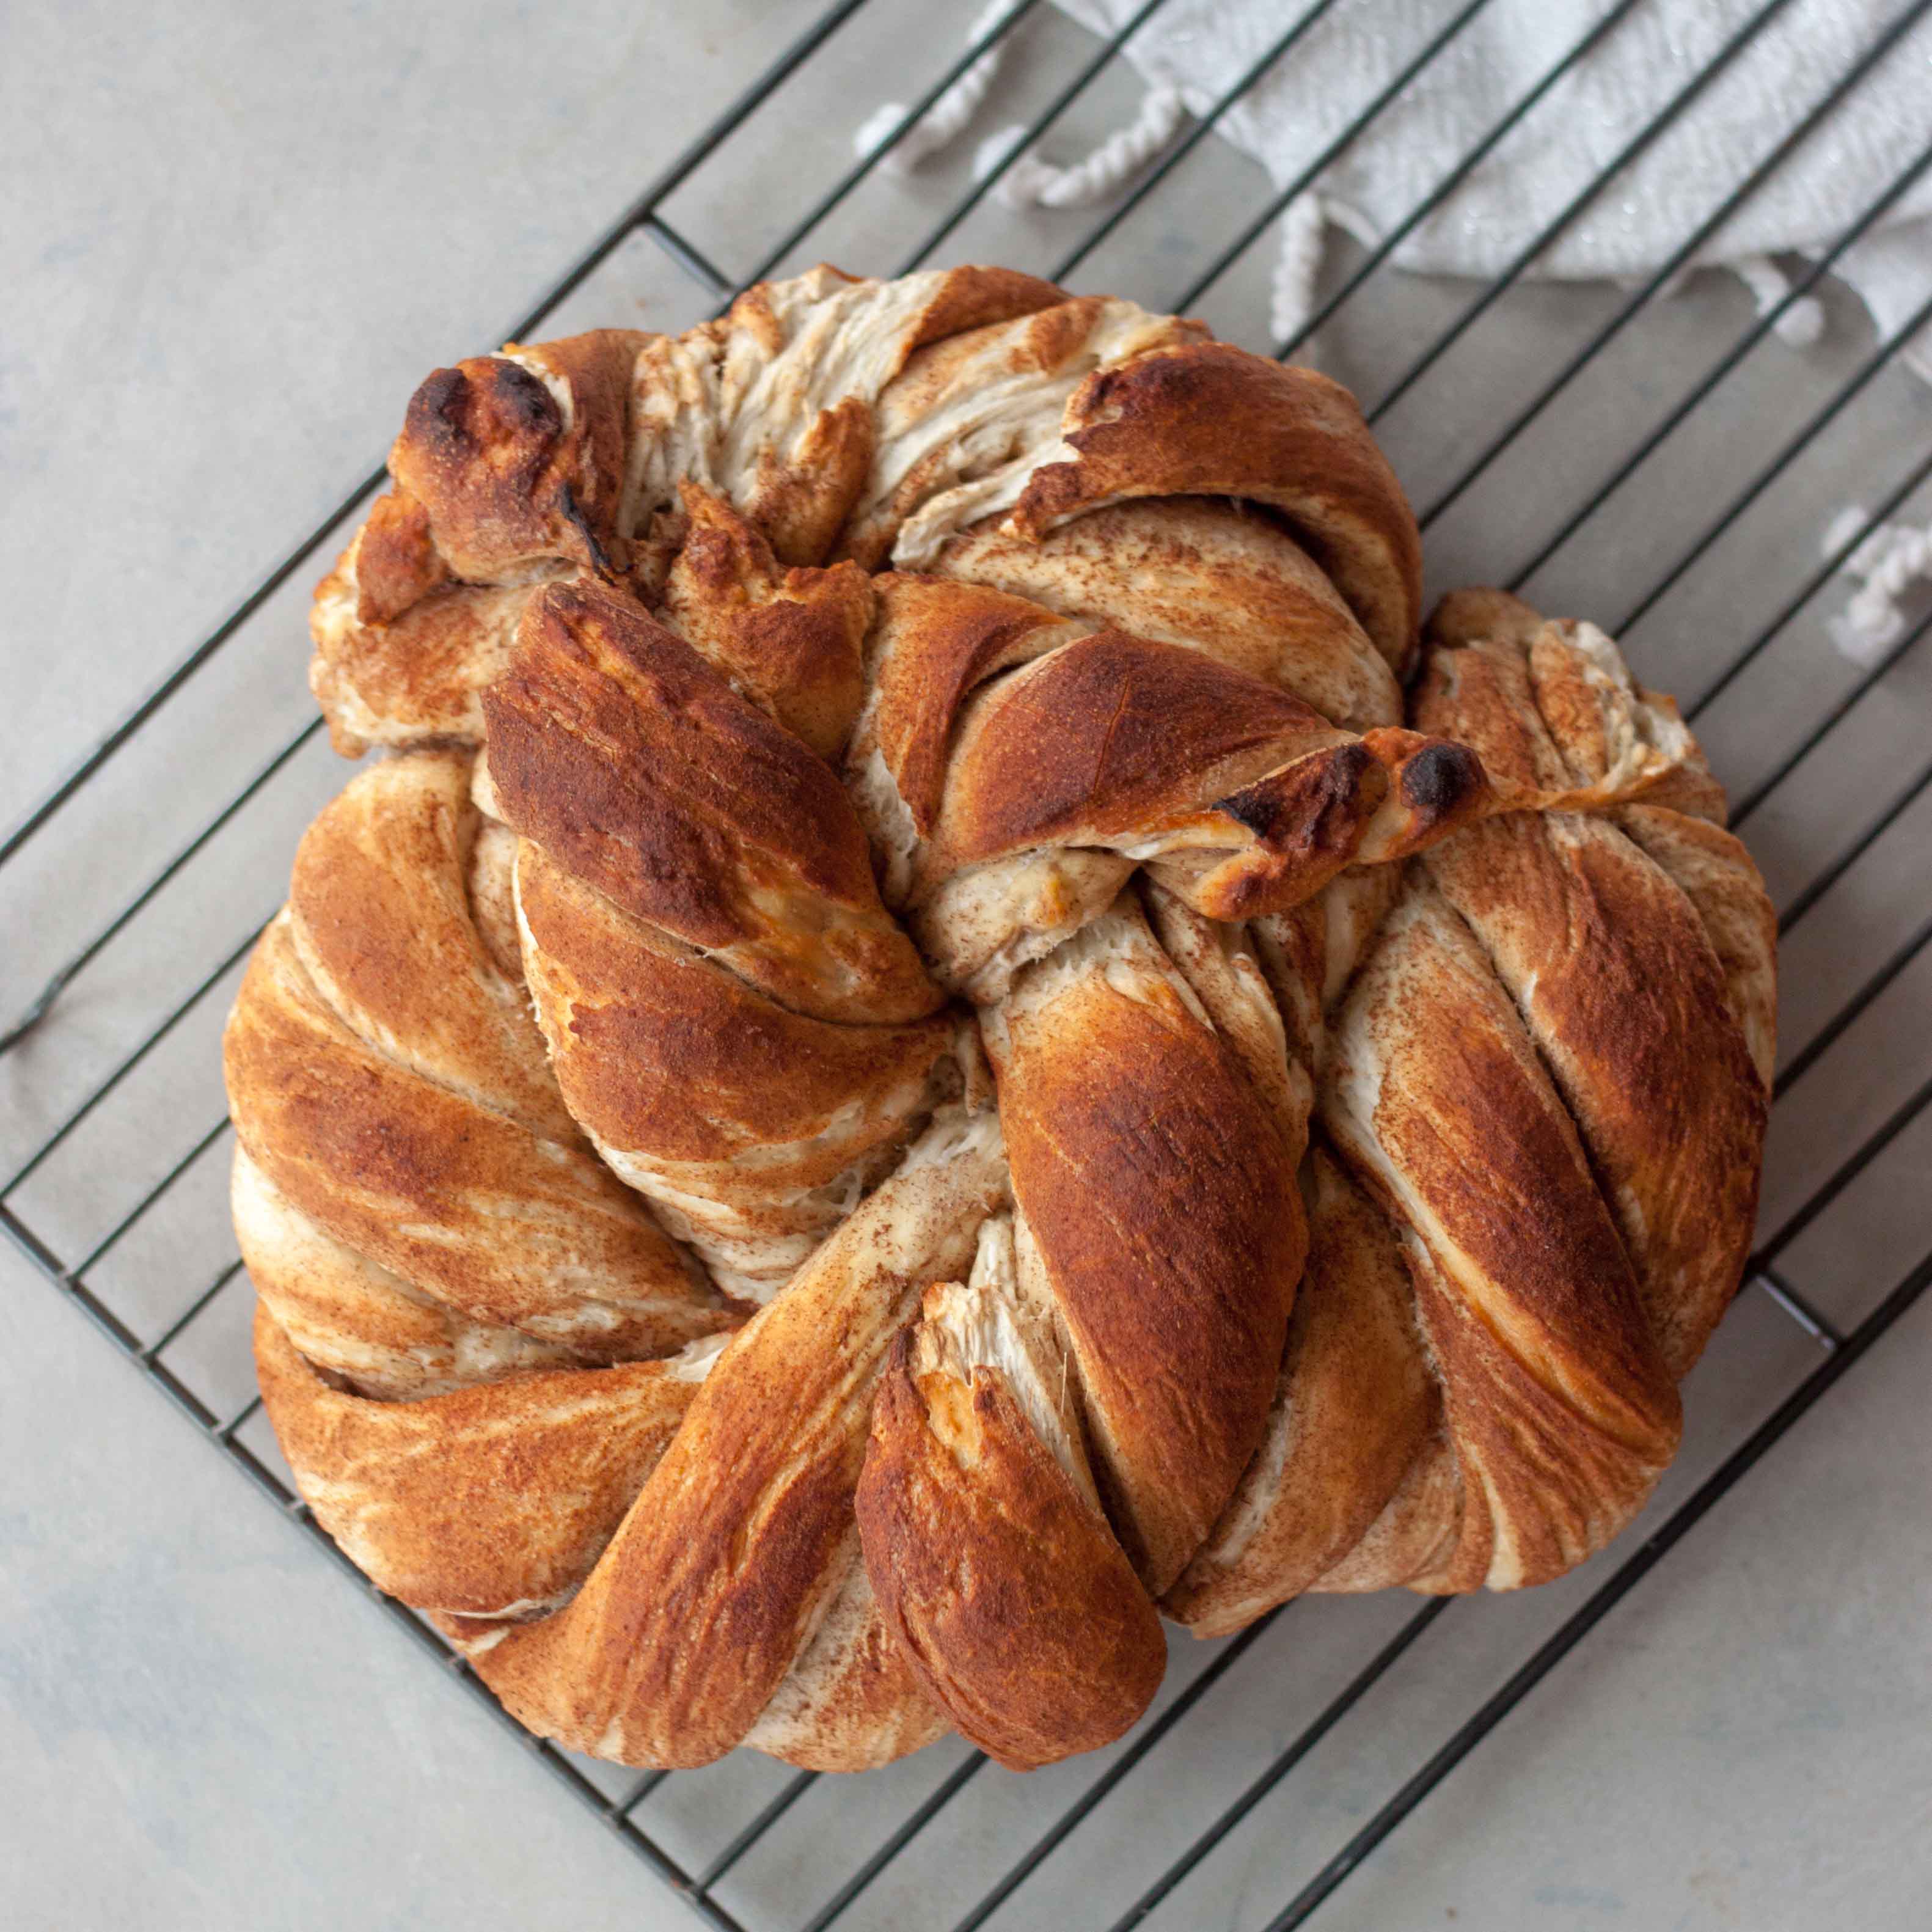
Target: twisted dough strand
x=413, y=1201
x=1555, y=1008
x=747, y=1035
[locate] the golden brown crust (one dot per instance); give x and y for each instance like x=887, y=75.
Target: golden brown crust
x=793, y=639
x=1238, y=796
x=397, y=562
x=1714, y=872
x=1160, y=1200
x=747, y=1122
x=736, y=1544
x=967, y=421
x=660, y=1049
x=386, y=1080
x=488, y=1500
x=1640, y=1021
x=1161, y=424
x=777, y=402
x=974, y=298
x=418, y=679
x=1087, y=743
x=1003, y=1585
x=428, y=1183
x=379, y=1335
x=1556, y=1005
x=1221, y=967
x=1355, y=1403
x=746, y=1033
x=1412, y=1539
x=1014, y=768
x=829, y=402
x=935, y=642
x=594, y=368
x=803, y=503
x=1627, y=1003
x=997, y=734
x=1216, y=576
x=382, y=913
x=617, y=748
x=1528, y=1299
x=1557, y=720
x=1477, y=615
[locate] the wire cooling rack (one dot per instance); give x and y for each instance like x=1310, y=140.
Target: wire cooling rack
x=1659, y=465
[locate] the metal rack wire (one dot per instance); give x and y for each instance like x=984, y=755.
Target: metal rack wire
x=757, y=114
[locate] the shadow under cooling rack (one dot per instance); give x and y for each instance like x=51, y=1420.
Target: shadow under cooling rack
x=1698, y=480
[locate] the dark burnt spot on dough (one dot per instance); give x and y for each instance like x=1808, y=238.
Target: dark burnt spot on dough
x=599, y=561
x=457, y=411
x=435, y=410
x=1440, y=778
x=517, y=399
x=1316, y=801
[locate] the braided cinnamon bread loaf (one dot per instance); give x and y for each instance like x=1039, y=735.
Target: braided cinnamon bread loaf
x=946, y=1034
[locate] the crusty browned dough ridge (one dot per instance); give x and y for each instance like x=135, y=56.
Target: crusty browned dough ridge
x=922, y=1056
